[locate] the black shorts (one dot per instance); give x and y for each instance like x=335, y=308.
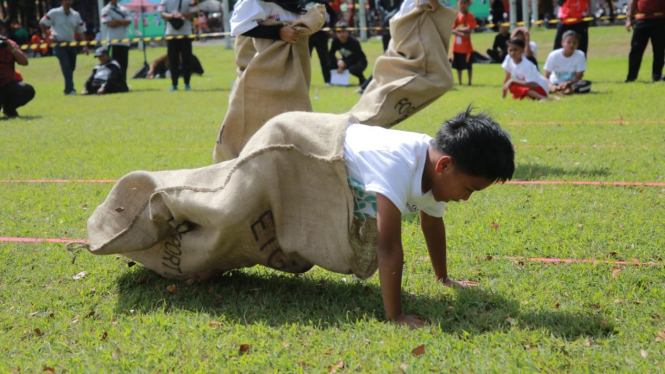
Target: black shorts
x=460, y=62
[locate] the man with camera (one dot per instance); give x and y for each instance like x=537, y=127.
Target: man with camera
x=65, y=23
x=117, y=19
x=178, y=15
x=13, y=92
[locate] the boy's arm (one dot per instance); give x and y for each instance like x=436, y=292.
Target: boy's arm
x=391, y=260
x=506, y=84
x=434, y=231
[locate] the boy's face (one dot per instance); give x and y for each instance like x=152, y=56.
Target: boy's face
x=343, y=36
x=451, y=185
x=569, y=44
x=515, y=52
x=464, y=5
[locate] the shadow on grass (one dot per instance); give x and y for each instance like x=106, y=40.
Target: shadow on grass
x=19, y=118
x=537, y=171
x=277, y=299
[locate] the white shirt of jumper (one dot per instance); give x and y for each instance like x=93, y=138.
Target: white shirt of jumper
x=109, y=13
x=64, y=27
x=564, y=68
x=247, y=14
x=534, y=49
x=389, y=162
x=525, y=71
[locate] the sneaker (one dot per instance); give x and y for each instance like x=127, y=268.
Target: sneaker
x=328, y=85
x=173, y=88
x=71, y=93
x=188, y=87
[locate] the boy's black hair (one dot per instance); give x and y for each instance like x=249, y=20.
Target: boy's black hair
x=570, y=33
x=517, y=41
x=477, y=145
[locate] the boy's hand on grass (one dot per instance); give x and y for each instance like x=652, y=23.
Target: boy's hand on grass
x=506, y=86
x=409, y=320
x=288, y=34
x=459, y=284
x=505, y=92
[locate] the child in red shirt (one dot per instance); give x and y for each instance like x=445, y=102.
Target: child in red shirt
x=462, y=48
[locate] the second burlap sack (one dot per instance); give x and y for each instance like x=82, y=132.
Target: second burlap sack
x=276, y=80
x=415, y=70
x=284, y=203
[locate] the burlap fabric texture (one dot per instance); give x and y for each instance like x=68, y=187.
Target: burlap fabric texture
x=284, y=203
x=415, y=70
x=275, y=81
x=244, y=51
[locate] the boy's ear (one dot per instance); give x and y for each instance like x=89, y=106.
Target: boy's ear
x=443, y=163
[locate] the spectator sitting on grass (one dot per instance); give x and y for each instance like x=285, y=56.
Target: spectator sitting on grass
x=565, y=67
x=500, y=46
x=106, y=77
x=353, y=57
x=522, y=76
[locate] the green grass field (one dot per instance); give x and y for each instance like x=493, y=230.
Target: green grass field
x=524, y=317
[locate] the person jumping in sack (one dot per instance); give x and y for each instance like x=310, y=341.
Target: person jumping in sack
x=106, y=77
x=178, y=15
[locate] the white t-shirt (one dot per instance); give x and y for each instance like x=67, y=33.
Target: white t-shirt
x=247, y=14
x=525, y=71
x=564, y=68
x=64, y=27
x=109, y=13
x=534, y=48
x=389, y=162
x=170, y=6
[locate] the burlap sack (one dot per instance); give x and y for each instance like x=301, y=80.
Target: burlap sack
x=275, y=81
x=244, y=51
x=283, y=203
x=415, y=70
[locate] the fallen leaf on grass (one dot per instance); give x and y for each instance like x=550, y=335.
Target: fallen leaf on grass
x=616, y=272
x=489, y=258
x=495, y=225
x=51, y=315
x=419, y=350
x=211, y=289
x=38, y=332
x=617, y=301
x=172, y=288
x=119, y=209
x=286, y=345
x=637, y=302
x=33, y=314
x=643, y=353
x=218, y=297
x=116, y=354
x=50, y=370
x=302, y=363
x=580, y=225
x=79, y=275
x=566, y=294
x=104, y=335
x=90, y=314
x=85, y=206
x=189, y=282
x=403, y=368
x=613, y=254
x=215, y=324
x=130, y=264
x=75, y=319
x=333, y=368
x=662, y=334
x=244, y=348
x=557, y=305
x=368, y=290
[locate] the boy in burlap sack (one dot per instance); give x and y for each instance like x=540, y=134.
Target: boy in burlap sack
x=276, y=67
x=308, y=189
x=412, y=74
x=414, y=71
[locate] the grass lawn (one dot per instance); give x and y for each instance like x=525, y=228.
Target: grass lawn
x=525, y=316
